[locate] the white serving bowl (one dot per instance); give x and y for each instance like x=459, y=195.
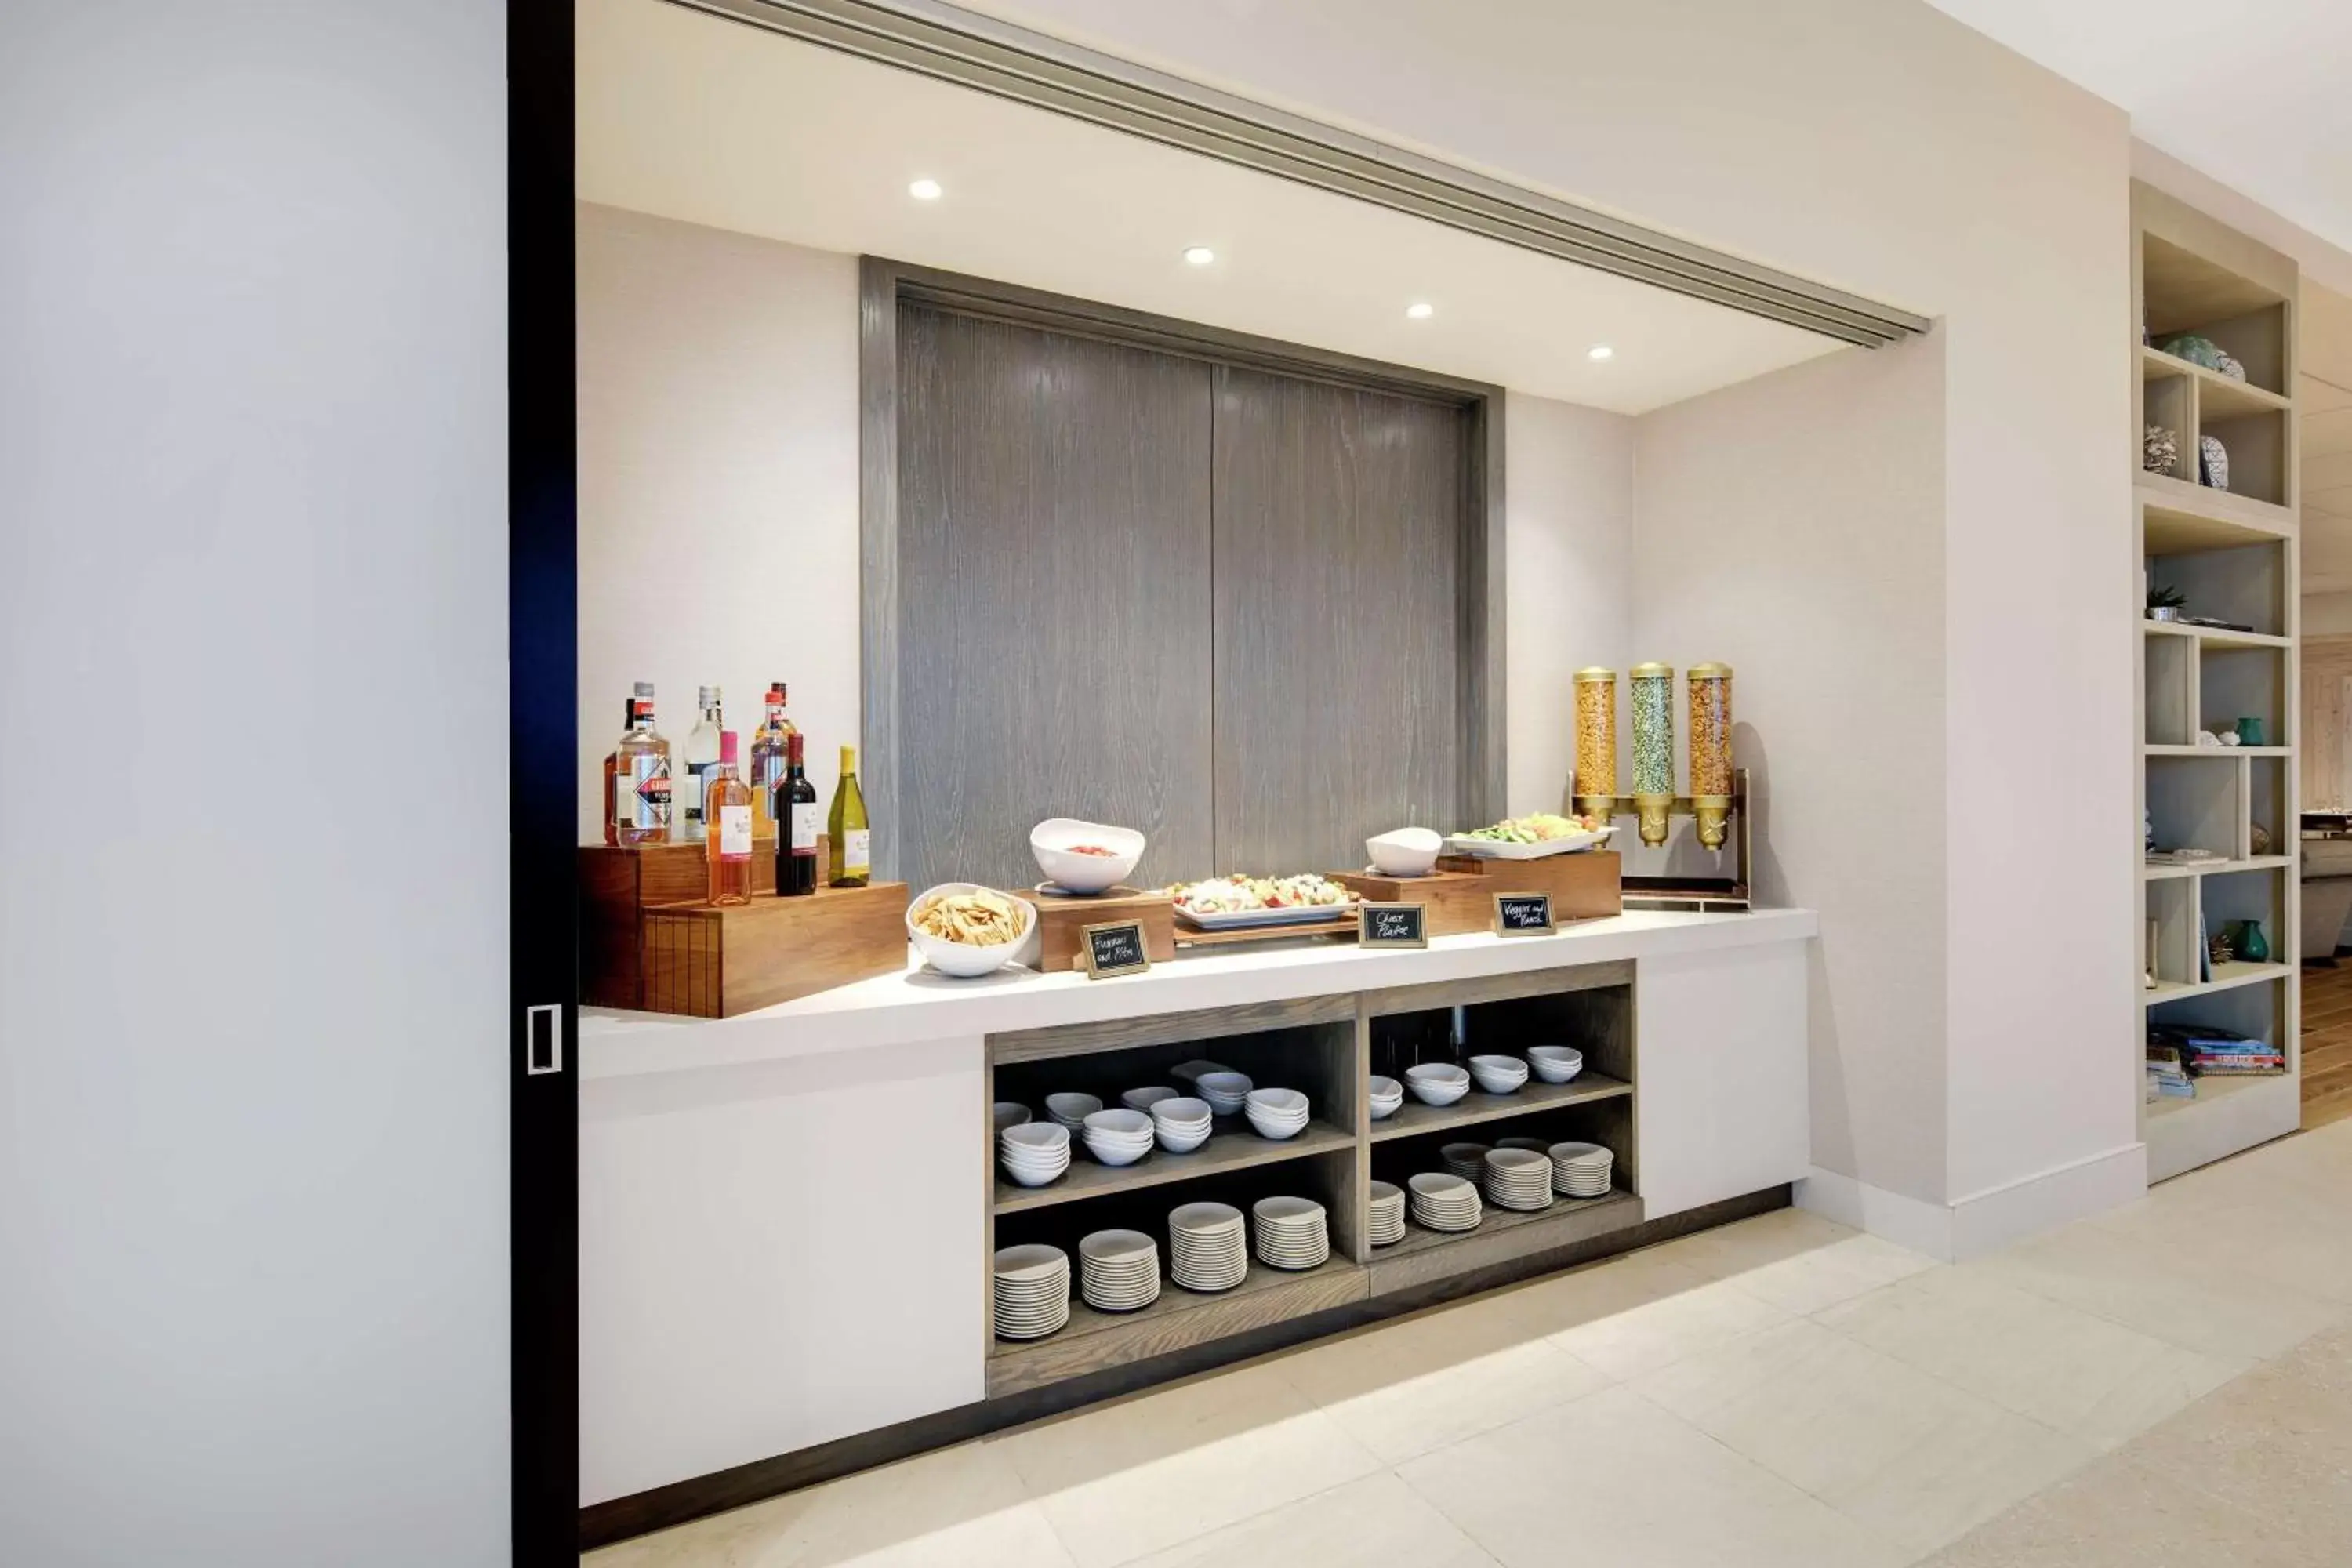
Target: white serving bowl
x=1072, y=1110
x=1050, y=842
x=1555, y=1064
x=1437, y=1083
x=1009, y=1114
x=1182, y=1111
x=1499, y=1075
x=1145, y=1099
x=961, y=960
x=1406, y=852
x=1118, y=1137
x=1227, y=1092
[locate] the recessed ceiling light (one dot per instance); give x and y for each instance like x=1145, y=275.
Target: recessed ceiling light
x=924, y=190
x=1421, y=309
x=1601, y=351
x=1199, y=255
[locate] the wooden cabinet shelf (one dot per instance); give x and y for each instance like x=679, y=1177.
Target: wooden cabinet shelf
x=2218, y=396
x=1477, y=1106
x=1232, y=1148
x=1502, y=1234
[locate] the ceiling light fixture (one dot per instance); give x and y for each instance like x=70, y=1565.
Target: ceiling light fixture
x=924, y=190
x=1599, y=351
x=1421, y=309
x=1199, y=255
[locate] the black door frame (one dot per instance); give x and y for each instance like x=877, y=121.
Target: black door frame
x=542, y=706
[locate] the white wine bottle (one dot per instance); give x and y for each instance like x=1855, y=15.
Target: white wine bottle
x=852, y=844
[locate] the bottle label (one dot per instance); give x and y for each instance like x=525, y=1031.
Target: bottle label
x=856, y=850
x=735, y=832
x=700, y=786
x=803, y=827
x=644, y=802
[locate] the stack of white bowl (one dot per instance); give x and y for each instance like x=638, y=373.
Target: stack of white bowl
x=1182, y=1123
x=1118, y=1137
x=1499, y=1075
x=1033, y=1291
x=1118, y=1271
x=1385, y=1222
x=1145, y=1099
x=1555, y=1064
x=1276, y=1114
x=1207, y=1250
x=1292, y=1233
x=1072, y=1110
x=1581, y=1170
x=1519, y=1179
x=1010, y=1113
x=1226, y=1091
x=1035, y=1153
x=1387, y=1095
x=1467, y=1160
x=1437, y=1083
x=1440, y=1202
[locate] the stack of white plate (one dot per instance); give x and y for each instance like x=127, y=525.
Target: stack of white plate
x=1437, y=1083
x=1386, y=1221
x=1145, y=1099
x=1276, y=1114
x=1227, y=1092
x=1118, y=1137
x=1555, y=1064
x=1206, y=1248
x=1118, y=1271
x=1010, y=1113
x=1499, y=1075
x=1387, y=1095
x=1533, y=1145
x=1440, y=1202
x=1519, y=1179
x=1581, y=1170
x=1033, y=1291
x=1072, y=1110
x=1035, y=1153
x=1467, y=1160
x=1292, y=1233
x=1182, y=1123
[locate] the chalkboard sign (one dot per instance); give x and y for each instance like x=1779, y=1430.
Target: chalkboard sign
x=1523, y=915
x=1115, y=947
x=1392, y=925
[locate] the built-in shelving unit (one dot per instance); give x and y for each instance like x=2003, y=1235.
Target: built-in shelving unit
x=2233, y=554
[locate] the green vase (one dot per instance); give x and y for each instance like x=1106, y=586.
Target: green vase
x=2249, y=944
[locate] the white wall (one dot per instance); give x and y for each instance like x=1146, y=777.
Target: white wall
x=717, y=483
x=2326, y=614
x=252, y=923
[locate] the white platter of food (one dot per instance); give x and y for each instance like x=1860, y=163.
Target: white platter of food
x=1532, y=837
x=1236, y=904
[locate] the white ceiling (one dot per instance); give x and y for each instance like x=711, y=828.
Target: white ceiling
x=691, y=117
x=2252, y=94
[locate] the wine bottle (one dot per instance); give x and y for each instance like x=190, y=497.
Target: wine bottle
x=768, y=757
x=727, y=808
x=795, y=809
x=853, y=851
x=702, y=756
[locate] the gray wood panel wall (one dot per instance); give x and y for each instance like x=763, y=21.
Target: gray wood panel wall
x=1339, y=564
x=1054, y=609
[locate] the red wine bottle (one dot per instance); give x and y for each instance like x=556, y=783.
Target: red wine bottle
x=796, y=818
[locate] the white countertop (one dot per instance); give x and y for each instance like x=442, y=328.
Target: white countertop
x=900, y=1009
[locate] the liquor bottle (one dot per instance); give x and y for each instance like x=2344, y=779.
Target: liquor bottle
x=612, y=765
x=768, y=757
x=641, y=776
x=702, y=756
x=853, y=846
x=727, y=811
x=795, y=809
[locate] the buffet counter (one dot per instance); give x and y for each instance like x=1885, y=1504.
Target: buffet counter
x=787, y=1217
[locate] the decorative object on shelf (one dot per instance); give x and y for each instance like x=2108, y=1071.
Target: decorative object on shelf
x=1654, y=749
x=2227, y=737
x=1596, y=741
x=2218, y=949
x=2159, y=451
x=2195, y=350
x=2206, y=738
x=2212, y=462
x=1710, y=751
x=2261, y=838
x=2232, y=368
x=2247, y=942
x=2165, y=603
x=2147, y=977
x=2250, y=732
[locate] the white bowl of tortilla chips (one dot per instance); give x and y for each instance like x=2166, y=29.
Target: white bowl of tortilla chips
x=966, y=931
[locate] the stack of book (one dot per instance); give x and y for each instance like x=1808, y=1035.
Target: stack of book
x=2204, y=1050
x=2168, y=1078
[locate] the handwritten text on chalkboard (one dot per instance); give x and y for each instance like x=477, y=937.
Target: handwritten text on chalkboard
x=1114, y=948
x=1523, y=915
x=1392, y=925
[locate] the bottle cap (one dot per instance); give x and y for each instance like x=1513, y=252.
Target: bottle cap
x=726, y=746
x=704, y=696
x=849, y=759
x=644, y=691
x=793, y=747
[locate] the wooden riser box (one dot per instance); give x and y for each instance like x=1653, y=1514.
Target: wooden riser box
x=1060, y=920
x=618, y=884
x=1584, y=885
x=1458, y=901
x=711, y=963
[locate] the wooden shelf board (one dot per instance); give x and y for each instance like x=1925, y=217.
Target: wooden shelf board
x=1414, y=1116
x=1229, y=1148
x=2210, y=1091
x=2216, y=868
x=2180, y=518
x=2217, y=636
x=2219, y=750
x=1502, y=1234
x=2226, y=977
x=2218, y=396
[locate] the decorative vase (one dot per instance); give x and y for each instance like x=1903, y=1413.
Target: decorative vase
x=2248, y=944
x=2196, y=351
x=2250, y=732
x=2213, y=462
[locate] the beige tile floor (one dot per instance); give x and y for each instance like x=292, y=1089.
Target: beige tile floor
x=2170, y=1382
